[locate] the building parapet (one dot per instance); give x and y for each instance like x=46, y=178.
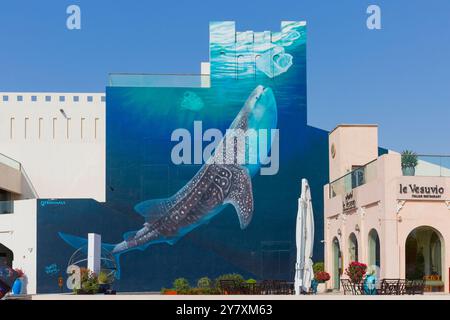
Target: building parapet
x=47, y=97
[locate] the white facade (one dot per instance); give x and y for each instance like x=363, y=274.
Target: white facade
x=58, y=141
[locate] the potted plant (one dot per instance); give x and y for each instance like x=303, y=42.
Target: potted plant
x=169, y=292
x=238, y=280
x=356, y=271
x=18, y=283
x=89, y=282
x=104, y=282
x=409, y=163
x=181, y=286
x=321, y=277
x=204, y=283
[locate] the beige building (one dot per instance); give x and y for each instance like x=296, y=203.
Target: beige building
x=380, y=214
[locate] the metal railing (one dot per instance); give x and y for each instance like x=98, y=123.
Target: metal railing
x=159, y=80
x=6, y=204
x=10, y=162
x=353, y=179
x=430, y=166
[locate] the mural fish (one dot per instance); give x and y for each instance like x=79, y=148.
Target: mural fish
x=216, y=184
x=191, y=101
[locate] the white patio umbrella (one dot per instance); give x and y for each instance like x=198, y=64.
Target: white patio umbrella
x=305, y=241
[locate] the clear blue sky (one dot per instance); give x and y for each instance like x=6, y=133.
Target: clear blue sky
x=398, y=77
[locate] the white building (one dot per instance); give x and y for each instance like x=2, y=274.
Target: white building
x=52, y=145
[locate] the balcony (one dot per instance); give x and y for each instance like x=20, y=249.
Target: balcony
x=7, y=161
x=353, y=179
x=159, y=80
x=430, y=166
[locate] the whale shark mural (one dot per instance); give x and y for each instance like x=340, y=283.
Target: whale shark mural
x=154, y=221
x=220, y=181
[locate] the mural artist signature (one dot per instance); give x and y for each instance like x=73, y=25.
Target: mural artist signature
x=51, y=269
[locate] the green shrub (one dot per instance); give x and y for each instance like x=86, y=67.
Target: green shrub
x=230, y=276
x=204, y=283
x=251, y=281
x=181, y=285
x=89, y=282
x=318, y=267
x=104, y=278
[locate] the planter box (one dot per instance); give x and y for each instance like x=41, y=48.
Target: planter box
x=170, y=292
x=321, y=288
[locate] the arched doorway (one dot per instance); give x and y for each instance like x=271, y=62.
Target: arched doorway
x=6, y=256
x=374, y=248
x=337, y=264
x=353, y=247
x=424, y=255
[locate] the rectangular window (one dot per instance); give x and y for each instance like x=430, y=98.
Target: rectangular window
x=41, y=127
x=11, y=128
x=48, y=98
x=62, y=98
x=68, y=128
x=82, y=127
x=90, y=98
x=26, y=127
x=76, y=98
x=34, y=98
x=5, y=98
x=54, y=128
x=19, y=98
x=103, y=98
x=96, y=128
x=6, y=203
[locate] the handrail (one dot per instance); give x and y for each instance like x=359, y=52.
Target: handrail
x=23, y=171
x=353, y=171
x=158, y=74
x=356, y=179
x=13, y=160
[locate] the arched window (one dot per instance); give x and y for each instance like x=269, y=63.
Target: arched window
x=353, y=247
x=374, y=248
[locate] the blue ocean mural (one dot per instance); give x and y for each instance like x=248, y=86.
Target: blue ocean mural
x=205, y=213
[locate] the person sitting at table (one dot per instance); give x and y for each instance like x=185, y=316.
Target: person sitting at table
x=370, y=282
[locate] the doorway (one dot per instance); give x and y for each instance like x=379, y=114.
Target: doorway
x=424, y=256
x=337, y=264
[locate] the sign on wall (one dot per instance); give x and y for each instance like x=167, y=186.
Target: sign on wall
x=422, y=188
x=349, y=202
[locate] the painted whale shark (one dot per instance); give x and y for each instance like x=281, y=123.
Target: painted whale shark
x=222, y=180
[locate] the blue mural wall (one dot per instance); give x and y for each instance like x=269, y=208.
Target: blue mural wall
x=242, y=221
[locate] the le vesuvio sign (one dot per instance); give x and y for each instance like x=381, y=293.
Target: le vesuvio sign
x=348, y=202
x=422, y=191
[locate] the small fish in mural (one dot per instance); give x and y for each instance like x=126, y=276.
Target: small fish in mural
x=288, y=38
x=274, y=62
x=191, y=101
x=215, y=185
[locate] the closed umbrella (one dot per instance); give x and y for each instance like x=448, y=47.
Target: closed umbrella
x=304, y=240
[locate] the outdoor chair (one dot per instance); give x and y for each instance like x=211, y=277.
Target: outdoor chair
x=347, y=286
x=402, y=283
x=414, y=287
x=358, y=288
x=229, y=287
x=390, y=287
x=267, y=287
